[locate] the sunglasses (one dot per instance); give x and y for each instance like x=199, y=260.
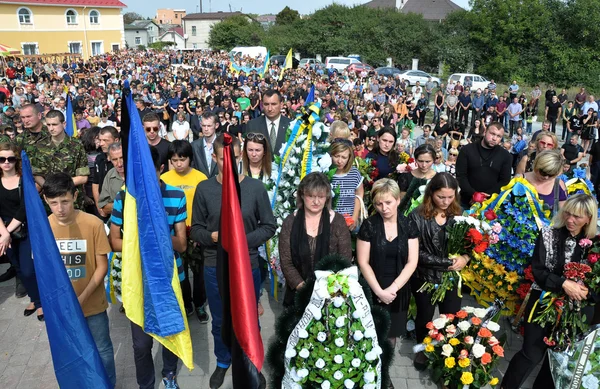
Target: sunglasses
x=342, y=141
x=544, y=174
x=255, y=136
x=153, y=129
x=546, y=144
x=454, y=154
x=9, y=159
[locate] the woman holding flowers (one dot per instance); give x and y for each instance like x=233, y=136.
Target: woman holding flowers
x=428, y=222
x=386, y=256
x=410, y=181
x=311, y=233
x=563, y=243
x=384, y=154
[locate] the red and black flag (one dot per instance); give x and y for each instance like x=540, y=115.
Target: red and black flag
x=240, y=331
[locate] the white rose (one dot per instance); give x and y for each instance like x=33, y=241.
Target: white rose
x=468, y=309
x=356, y=314
x=320, y=363
x=304, y=353
x=339, y=322
x=297, y=182
x=293, y=160
x=370, y=333
x=358, y=335
x=447, y=350
x=479, y=312
x=410, y=325
x=321, y=337
x=113, y=273
x=325, y=384
x=349, y=384
x=302, y=333
x=294, y=374
x=338, y=359
x=440, y=323
x=338, y=375
x=338, y=302
x=317, y=130
x=370, y=356
x=590, y=382
x=493, y=326
x=302, y=373
x=317, y=314
x=377, y=350
x=325, y=162
x=339, y=342
x=369, y=377
x=355, y=362
x=464, y=325
x=478, y=350
x=370, y=386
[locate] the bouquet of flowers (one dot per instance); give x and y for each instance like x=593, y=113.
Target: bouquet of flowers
x=405, y=165
x=577, y=182
x=462, y=349
x=369, y=171
x=561, y=312
x=578, y=367
x=305, y=150
x=112, y=280
x=335, y=343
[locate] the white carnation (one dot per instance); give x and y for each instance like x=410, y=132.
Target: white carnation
x=302, y=373
x=356, y=362
x=325, y=384
x=320, y=363
x=468, y=309
x=339, y=342
x=479, y=312
x=358, y=335
x=304, y=353
x=370, y=333
x=590, y=382
x=369, y=377
x=349, y=384
x=377, y=350
x=338, y=375
x=321, y=336
x=325, y=162
x=370, y=356
x=113, y=273
x=464, y=325
x=338, y=359
x=317, y=130
x=302, y=333
x=447, y=350
x=356, y=314
x=478, y=350
x=338, y=302
x=370, y=386
x=340, y=321
x=493, y=326
x=440, y=323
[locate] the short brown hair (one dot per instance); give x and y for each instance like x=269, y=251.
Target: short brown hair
x=314, y=182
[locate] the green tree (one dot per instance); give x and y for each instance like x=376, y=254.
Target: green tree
x=235, y=31
x=286, y=16
x=129, y=17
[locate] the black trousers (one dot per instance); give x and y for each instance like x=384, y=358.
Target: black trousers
x=425, y=310
x=198, y=296
x=142, y=354
x=463, y=116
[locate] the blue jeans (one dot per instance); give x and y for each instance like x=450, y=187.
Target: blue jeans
x=98, y=325
x=216, y=310
x=19, y=255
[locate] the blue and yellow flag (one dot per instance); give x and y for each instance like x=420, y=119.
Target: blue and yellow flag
x=265, y=69
x=71, y=123
x=75, y=357
x=150, y=286
x=287, y=64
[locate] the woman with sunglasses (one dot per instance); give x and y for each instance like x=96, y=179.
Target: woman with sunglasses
x=545, y=140
x=451, y=162
x=12, y=229
x=547, y=167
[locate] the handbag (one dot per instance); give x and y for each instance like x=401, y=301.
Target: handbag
x=165, y=115
x=362, y=214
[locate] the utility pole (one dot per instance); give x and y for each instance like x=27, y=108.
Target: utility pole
x=200, y=6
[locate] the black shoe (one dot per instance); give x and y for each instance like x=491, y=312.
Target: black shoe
x=29, y=312
x=217, y=377
x=41, y=317
x=20, y=290
x=202, y=315
x=9, y=274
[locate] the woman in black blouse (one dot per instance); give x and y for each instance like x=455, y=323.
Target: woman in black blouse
x=428, y=222
x=556, y=245
x=409, y=182
x=386, y=256
x=12, y=230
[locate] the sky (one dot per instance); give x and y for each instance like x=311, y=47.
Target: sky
x=147, y=8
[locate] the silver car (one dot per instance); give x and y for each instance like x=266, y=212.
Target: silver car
x=412, y=76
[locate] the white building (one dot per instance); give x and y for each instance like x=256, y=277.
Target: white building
x=174, y=35
x=141, y=32
x=196, y=27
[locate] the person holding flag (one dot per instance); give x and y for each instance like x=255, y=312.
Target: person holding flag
x=259, y=226
x=287, y=64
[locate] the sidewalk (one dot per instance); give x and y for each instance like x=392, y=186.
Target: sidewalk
x=26, y=363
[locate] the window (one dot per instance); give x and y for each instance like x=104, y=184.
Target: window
x=193, y=30
x=30, y=48
x=115, y=47
x=75, y=47
x=24, y=16
x=477, y=79
x=138, y=40
x=71, y=16
x=176, y=16
x=97, y=48
x=94, y=17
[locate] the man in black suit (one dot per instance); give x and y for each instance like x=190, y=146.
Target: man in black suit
x=203, y=147
x=195, y=122
x=273, y=125
x=141, y=107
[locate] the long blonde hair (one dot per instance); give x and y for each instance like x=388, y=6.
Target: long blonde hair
x=579, y=205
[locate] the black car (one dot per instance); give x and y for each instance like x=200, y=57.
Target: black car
x=280, y=59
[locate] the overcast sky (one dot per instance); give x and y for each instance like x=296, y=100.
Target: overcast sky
x=148, y=7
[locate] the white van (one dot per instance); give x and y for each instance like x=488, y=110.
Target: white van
x=339, y=63
x=478, y=82
x=252, y=51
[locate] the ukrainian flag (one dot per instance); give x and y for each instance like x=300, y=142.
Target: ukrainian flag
x=71, y=123
x=287, y=64
x=150, y=286
x=266, y=64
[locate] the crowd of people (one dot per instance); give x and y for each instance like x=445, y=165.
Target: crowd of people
x=473, y=141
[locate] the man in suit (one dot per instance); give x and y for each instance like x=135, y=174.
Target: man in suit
x=273, y=125
x=195, y=124
x=203, y=147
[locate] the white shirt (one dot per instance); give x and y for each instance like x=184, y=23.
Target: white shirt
x=180, y=130
x=108, y=123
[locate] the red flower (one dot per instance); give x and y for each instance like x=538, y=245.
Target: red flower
x=474, y=236
x=410, y=160
x=593, y=258
x=559, y=304
x=486, y=358
x=349, y=220
x=523, y=289
x=479, y=197
x=373, y=162
x=450, y=317
x=188, y=231
x=461, y=314
x=490, y=214
x=481, y=247
x=429, y=325
x=549, y=342
x=529, y=274
x=475, y=321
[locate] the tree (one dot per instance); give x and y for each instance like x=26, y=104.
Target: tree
x=235, y=31
x=286, y=16
x=129, y=17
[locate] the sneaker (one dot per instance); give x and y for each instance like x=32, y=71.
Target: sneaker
x=170, y=381
x=202, y=315
x=20, y=290
x=217, y=377
x=189, y=310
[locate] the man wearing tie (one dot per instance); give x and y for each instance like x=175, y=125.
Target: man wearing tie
x=203, y=147
x=272, y=125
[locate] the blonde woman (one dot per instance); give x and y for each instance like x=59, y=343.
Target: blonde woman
x=545, y=140
x=548, y=165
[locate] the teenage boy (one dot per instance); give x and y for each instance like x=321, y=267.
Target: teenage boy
x=83, y=245
x=175, y=207
x=186, y=178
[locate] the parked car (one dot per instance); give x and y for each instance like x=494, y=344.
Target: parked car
x=359, y=68
x=412, y=76
x=387, y=71
x=339, y=63
x=280, y=59
x=478, y=82
x=309, y=62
